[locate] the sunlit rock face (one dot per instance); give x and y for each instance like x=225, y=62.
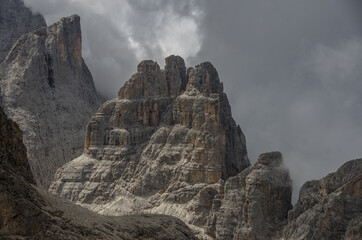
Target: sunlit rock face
x=159, y=146
x=48, y=90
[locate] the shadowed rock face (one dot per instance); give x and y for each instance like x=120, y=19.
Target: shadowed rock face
x=48, y=90
x=15, y=20
x=27, y=212
x=330, y=208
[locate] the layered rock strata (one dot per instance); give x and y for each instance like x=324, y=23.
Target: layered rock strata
x=329, y=208
x=28, y=212
x=168, y=144
x=15, y=20
x=48, y=90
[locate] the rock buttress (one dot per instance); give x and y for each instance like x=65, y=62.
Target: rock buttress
x=48, y=90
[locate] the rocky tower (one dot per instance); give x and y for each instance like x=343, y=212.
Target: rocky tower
x=168, y=144
x=15, y=20
x=48, y=90
x=166, y=129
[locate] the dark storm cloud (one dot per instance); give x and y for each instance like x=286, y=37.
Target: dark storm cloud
x=292, y=71
x=291, y=68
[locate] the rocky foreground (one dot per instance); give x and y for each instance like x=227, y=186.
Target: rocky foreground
x=45, y=86
x=28, y=212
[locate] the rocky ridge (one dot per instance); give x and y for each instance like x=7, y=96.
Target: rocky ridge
x=48, y=90
x=329, y=208
x=15, y=20
x=168, y=144
x=28, y=212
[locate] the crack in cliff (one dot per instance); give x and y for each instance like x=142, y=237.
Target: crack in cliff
x=49, y=63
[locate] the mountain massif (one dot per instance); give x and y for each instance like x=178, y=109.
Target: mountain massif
x=163, y=160
x=46, y=88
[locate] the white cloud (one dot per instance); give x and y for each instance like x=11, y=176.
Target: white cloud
x=180, y=37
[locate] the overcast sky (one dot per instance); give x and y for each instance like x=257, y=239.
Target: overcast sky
x=292, y=69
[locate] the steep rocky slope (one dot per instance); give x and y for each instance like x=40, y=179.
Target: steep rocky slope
x=27, y=212
x=168, y=144
x=15, y=20
x=48, y=90
x=330, y=208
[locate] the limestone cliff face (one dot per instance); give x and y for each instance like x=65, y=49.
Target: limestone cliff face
x=48, y=90
x=330, y=208
x=27, y=212
x=168, y=144
x=15, y=20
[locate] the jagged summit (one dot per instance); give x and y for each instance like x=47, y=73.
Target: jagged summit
x=205, y=79
x=174, y=79
x=67, y=32
x=151, y=81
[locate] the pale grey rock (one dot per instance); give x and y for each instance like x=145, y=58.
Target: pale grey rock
x=48, y=90
x=15, y=20
x=28, y=212
x=329, y=208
